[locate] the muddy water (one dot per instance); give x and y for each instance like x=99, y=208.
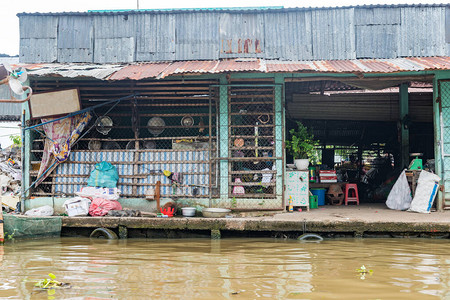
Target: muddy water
x=228, y=269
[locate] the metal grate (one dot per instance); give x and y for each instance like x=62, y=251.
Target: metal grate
x=444, y=87
x=169, y=125
x=251, y=145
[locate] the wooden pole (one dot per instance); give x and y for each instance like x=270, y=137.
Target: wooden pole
x=158, y=195
x=2, y=235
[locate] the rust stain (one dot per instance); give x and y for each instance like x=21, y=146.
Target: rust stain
x=247, y=45
x=257, y=46
x=230, y=46
x=239, y=46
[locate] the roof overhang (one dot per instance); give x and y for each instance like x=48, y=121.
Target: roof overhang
x=357, y=68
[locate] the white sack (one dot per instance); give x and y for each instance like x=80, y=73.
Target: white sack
x=77, y=206
x=42, y=211
x=400, y=196
x=99, y=192
x=427, y=188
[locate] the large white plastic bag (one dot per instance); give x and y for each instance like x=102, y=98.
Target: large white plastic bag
x=427, y=188
x=99, y=192
x=42, y=211
x=400, y=196
x=77, y=206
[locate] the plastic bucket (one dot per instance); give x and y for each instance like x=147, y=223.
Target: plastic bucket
x=313, y=201
x=320, y=193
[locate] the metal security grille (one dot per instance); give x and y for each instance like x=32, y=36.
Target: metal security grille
x=444, y=93
x=251, y=141
x=168, y=126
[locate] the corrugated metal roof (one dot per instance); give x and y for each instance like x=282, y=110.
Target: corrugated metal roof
x=71, y=70
x=136, y=72
x=165, y=69
x=224, y=9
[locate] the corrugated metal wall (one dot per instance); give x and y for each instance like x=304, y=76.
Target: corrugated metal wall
x=359, y=107
x=9, y=111
x=303, y=34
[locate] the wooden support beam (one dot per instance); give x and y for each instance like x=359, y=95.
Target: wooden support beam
x=404, y=111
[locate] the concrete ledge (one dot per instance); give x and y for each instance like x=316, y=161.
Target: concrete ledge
x=258, y=224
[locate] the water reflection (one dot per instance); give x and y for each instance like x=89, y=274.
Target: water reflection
x=228, y=269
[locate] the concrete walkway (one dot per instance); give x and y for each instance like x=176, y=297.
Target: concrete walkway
x=372, y=213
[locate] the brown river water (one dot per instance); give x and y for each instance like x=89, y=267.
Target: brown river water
x=231, y=268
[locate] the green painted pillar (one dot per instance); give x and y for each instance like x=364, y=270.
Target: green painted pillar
x=26, y=152
x=440, y=198
x=441, y=113
x=223, y=139
x=404, y=111
x=279, y=134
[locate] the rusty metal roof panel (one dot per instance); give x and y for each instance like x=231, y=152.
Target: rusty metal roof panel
x=71, y=70
x=361, y=65
x=340, y=66
x=240, y=65
x=188, y=67
x=141, y=71
x=403, y=64
x=289, y=66
x=164, y=69
x=379, y=66
x=432, y=63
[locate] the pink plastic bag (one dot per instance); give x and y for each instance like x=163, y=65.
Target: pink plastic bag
x=100, y=207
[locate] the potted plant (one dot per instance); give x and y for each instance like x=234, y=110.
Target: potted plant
x=302, y=146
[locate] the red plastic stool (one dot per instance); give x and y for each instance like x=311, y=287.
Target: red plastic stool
x=353, y=189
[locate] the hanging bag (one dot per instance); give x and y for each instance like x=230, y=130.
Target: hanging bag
x=104, y=175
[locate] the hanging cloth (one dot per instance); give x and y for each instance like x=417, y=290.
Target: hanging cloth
x=62, y=134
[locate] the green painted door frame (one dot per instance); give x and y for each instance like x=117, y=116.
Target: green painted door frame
x=441, y=121
x=223, y=142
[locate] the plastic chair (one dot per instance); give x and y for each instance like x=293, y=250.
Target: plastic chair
x=353, y=189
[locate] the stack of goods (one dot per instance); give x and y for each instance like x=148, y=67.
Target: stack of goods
x=100, y=196
x=328, y=176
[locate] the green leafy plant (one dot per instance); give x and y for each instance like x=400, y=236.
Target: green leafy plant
x=16, y=139
x=302, y=144
x=234, y=202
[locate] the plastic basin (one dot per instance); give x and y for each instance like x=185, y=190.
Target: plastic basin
x=188, y=211
x=215, y=212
